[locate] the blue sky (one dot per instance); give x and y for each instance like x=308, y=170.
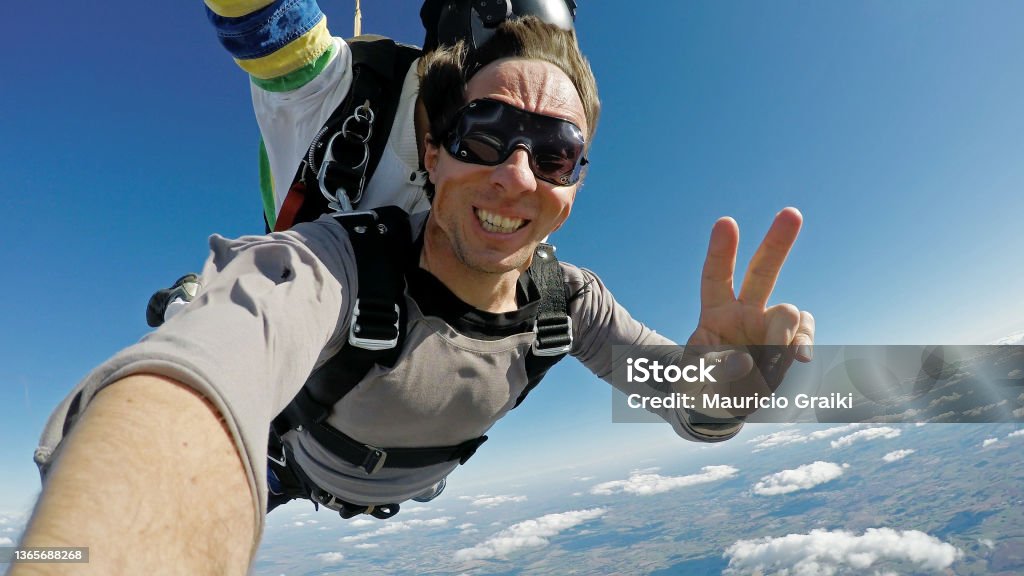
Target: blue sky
x=897, y=128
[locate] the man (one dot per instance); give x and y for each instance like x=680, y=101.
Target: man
x=165, y=466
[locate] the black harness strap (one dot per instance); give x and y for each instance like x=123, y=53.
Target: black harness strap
x=554, y=326
x=296, y=484
x=380, y=240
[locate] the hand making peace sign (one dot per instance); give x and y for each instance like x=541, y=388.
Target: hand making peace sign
x=747, y=320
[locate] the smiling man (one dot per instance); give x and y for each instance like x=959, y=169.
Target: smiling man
x=375, y=398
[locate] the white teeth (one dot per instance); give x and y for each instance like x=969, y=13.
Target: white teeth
x=496, y=223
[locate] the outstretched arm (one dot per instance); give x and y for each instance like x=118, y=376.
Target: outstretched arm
x=151, y=482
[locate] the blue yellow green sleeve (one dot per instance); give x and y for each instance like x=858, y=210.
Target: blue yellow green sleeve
x=282, y=44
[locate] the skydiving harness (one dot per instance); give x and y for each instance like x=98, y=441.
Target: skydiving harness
x=347, y=149
x=339, y=162
x=381, y=241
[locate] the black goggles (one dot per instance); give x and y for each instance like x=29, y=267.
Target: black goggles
x=488, y=132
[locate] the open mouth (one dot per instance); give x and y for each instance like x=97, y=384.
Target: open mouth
x=498, y=224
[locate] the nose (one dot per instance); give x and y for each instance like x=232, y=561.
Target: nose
x=514, y=174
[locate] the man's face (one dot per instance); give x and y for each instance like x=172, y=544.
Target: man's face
x=494, y=216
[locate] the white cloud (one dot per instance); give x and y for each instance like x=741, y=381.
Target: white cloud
x=792, y=436
x=866, y=434
x=943, y=416
x=585, y=478
x=803, y=478
x=330, y=557
x=362, y=522
x=824, y=553
x=988, y=442
x=1015, y=373
x=977, y=411
x=835, y=430
x=416, y=510
x=400, y=526
x=529, y=534
x=943, y=399
x=897, y=455
x=5, y=541
x=1015, y=433
x=366, y=546
x=780, y=438
x=987, y=543
x=1019, y=412
x=492, y=501
x=645, y=484
x=465, y=525
x=1012, y=339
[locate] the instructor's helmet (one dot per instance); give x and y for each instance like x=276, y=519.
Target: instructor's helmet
x=448, y=21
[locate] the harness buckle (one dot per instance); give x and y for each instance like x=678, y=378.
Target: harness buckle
x=374, y=460
x=281, y=460
x=327, y=500
x=355, y=133
x=554, y=336
x=374, y=326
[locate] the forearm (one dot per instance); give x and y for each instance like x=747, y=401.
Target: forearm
x=150, y=481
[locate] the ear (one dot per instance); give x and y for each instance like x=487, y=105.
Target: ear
x=431, y=155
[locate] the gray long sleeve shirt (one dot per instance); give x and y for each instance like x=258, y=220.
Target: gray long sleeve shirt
x=275, y=307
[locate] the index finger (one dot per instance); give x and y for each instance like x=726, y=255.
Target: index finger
x=764, y=268
x=716, y=282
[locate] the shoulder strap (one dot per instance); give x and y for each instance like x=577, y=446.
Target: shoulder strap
x=379, y=240
x=346, y=151
x=554, y=325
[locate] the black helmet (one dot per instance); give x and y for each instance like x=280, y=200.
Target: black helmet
x=448, y=21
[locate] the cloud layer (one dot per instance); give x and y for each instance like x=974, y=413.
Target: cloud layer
x=487, y=501
x=866, y=434
x=528, y=534
x=645, y=484
x=825, y=553
x=402, y=526
x=803, y=478
x=794, y=436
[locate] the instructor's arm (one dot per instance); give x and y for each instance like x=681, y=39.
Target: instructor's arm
x=150, y=481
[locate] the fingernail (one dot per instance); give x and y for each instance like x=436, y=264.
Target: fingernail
x=804, y=352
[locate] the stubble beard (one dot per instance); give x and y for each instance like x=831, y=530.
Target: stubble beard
x=464, y=256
